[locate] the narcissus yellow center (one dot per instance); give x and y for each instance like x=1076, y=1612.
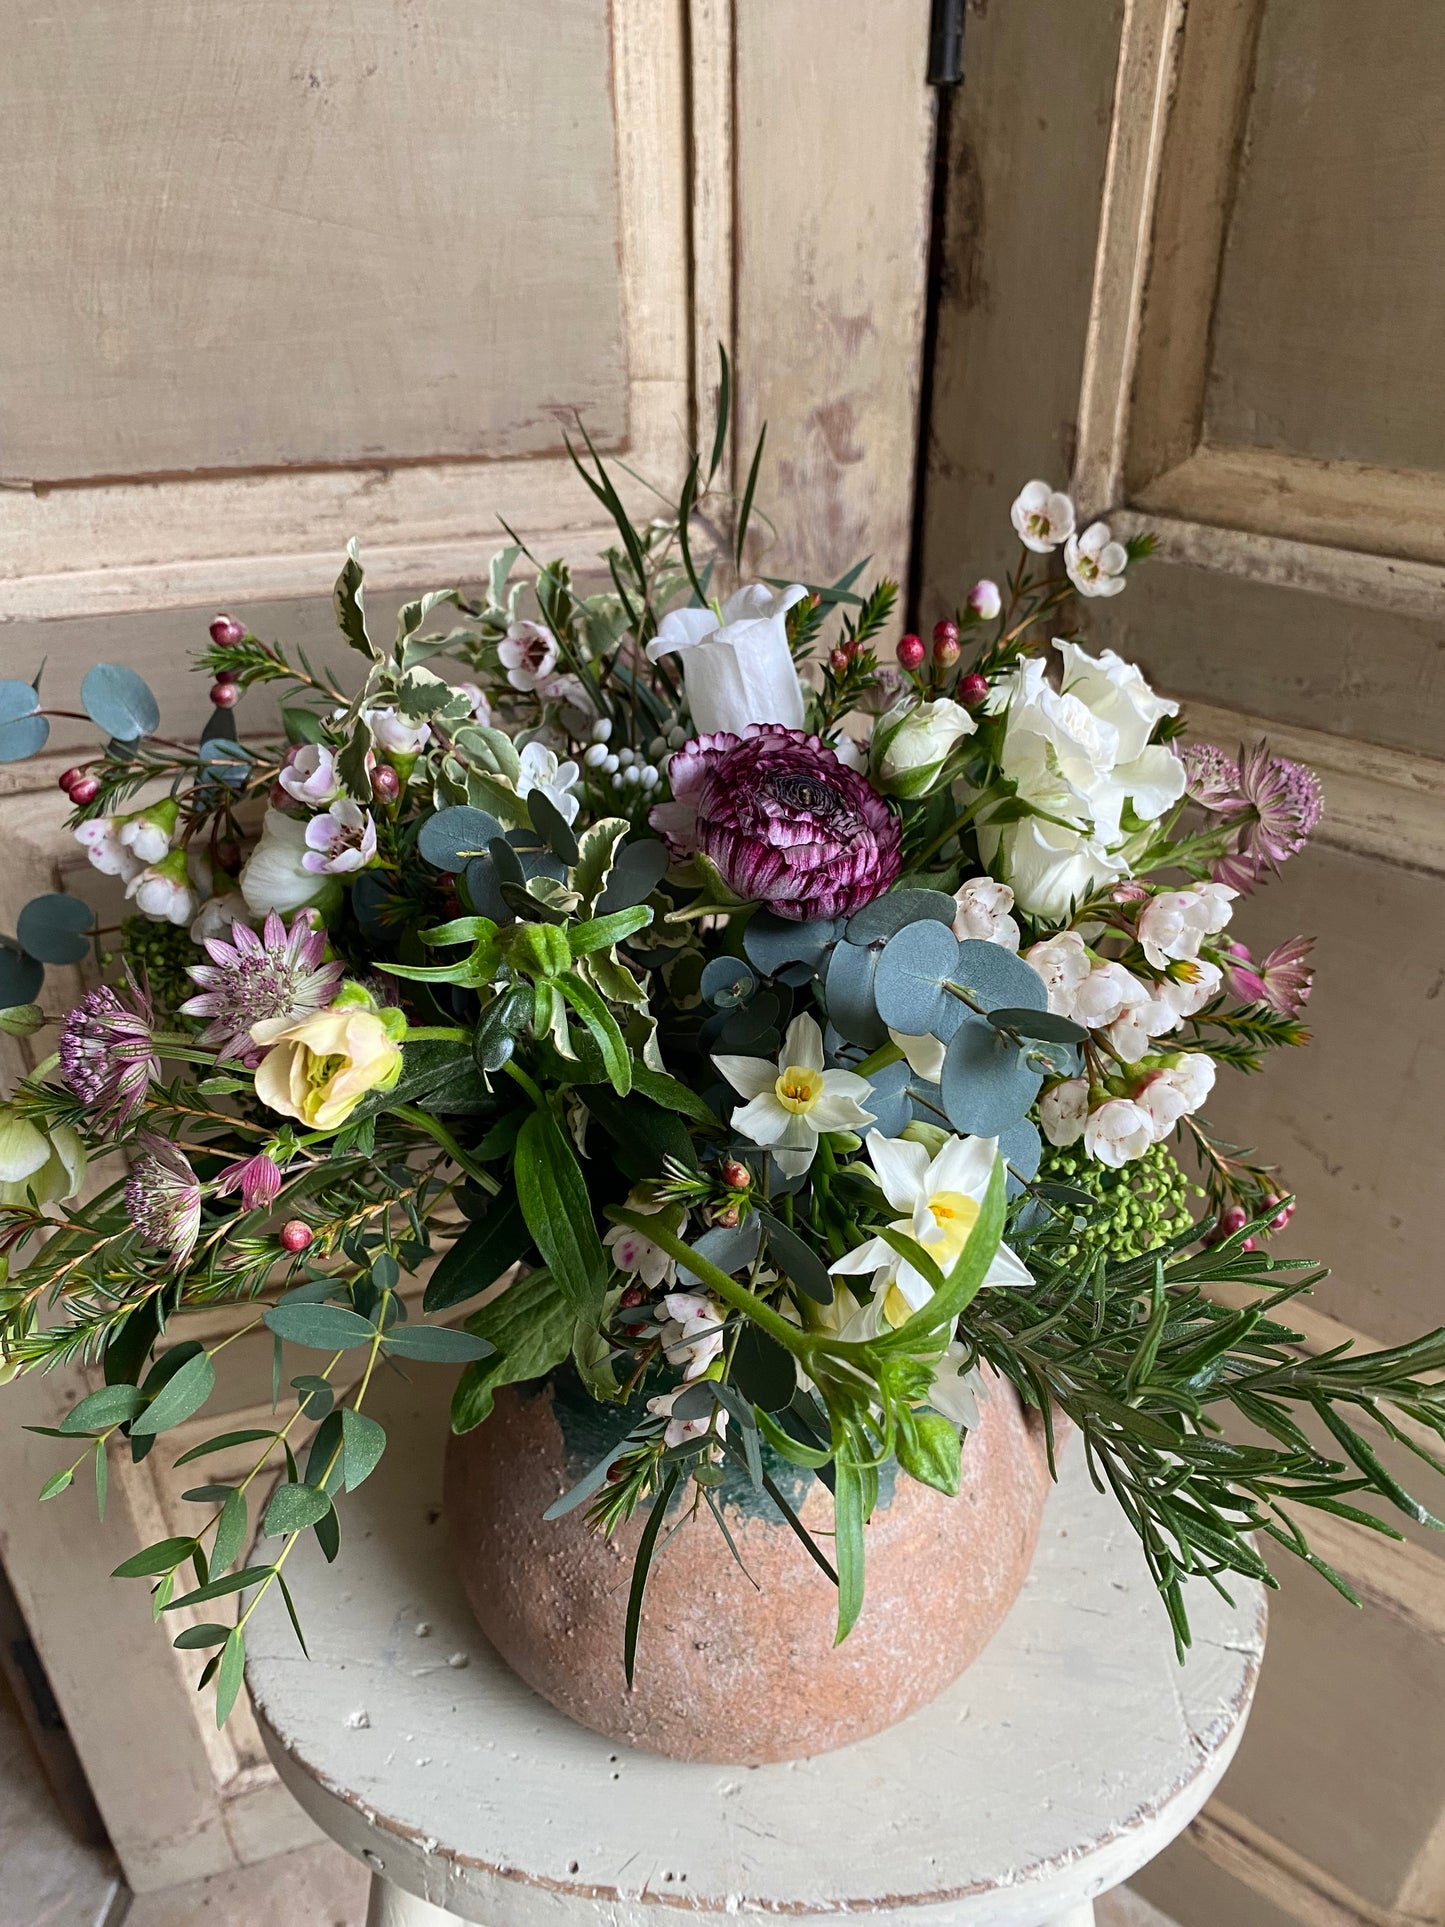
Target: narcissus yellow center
x=798, y=1088
x=955, y=1214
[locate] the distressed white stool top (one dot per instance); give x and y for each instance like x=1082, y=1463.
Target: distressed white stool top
x=1070, y=1753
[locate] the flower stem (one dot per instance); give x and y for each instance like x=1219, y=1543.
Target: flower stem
x=444, y=1138
x=880, y=1059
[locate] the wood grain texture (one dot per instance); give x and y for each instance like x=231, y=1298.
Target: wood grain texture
x=1066, y=1755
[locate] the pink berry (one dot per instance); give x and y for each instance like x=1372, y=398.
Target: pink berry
x=296, y=1236
x=225, y=694
x=911, y=652
x=226, y=632
x=85, y=791
x=385, y=783
x=69, y=778
x=972, y=690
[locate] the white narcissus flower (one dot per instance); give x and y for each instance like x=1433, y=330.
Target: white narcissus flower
x=1176, y=922
x=916, y=739
x=983, y=913
x=100, y=839
x=1118, y=1131
x=1043, y=517
x=1095, y=561
x=310, y=775
x=791, y=1103
x=541, y=771
x=163, y=890
x=1063, y=1109
x=275, y=876
x=1176, y=1091
x=939, y=1200
x=692, y=1332
x=528, y=653
x=740, y=670
x=924, y=1054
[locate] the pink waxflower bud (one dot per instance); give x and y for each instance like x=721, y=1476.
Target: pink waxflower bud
x=385, y=783
x=631, y=1298
x=226, y=632
x=85, y=791
x=911, y=652
x=972, y=690
x=945, y=643
x=296, y=1236
x=984, y=600
x=225, y=694
x=838, y=662
x=69, y=778
x=1232, y=1219
x=736, y=1175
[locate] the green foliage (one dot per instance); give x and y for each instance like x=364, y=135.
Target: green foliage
x=1124, y=1213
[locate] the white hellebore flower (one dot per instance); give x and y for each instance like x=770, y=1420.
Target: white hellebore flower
x=1043, y=516
x=983, y=912
x=541, y=771
x=790, y=1104
x=939, y=1200
x=1176, y=1091
x=1095, y=561
x=38, y=1165
x=916, y=739
x=100, y=839
x=1175, y=923
x=1064, y=1110
x=1118, y=1131
x=528, y=653
x=275, y=876
x=737, y=671
x=692, y=1332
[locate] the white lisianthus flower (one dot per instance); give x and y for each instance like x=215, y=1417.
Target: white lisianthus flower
x=1043, y=517
x=924, y=1054
x=275, y=876
x=1063, y=1111
x=100, y=839
x=310, y=775
x=1176, y=922
x=940, y=1199
x=1095, y=561
x=916, y=739
x=791, y=1104
x=737, y=671
x=1118, y=1131
x=983, y=913
x=541, y=771
x=1176, y=1091
x=163, y=890
x=528, y=653
x=1048, y=868
x=692, y=1331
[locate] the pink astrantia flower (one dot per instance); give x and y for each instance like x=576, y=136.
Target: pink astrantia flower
x=163, y=1196
x=257, y=1178
x=1211, y=778
x=253, y=980
x=783, y=820
x=1282, y=801
x=1282, y=980
x=107, y=1052
x=341, y=839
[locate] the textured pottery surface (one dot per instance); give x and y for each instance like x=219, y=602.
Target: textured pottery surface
x=726, y=1670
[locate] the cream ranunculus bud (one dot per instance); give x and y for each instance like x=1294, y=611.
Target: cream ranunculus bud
x=737, y=671
x=320, y=1069
x=1118, y=1131
x=912, y=743
x=275, y=876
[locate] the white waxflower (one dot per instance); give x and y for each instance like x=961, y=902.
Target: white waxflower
x=1095, y=561
x=1118, y=1131
x=147, y=834
x=1063, y=1110
x=1176, y=1091
x=163, y=890
x=528, y=653
x=309, y=775
x=541, y=771
x=1187, y=996
x=984, y=600
x=1063, y=962
x=983, y=912
x=478, y=698
x=679, y=1430
x=633, y=1252
x=1175, y=923
x=100, y=839
x=217, y=915
x=739, y=670
x=395, y=733
x=939, y=1200
x=791, y=1104
x=1043, y=516
x=692, y=1331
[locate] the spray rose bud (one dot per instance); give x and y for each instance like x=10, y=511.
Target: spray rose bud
x=225, y=694
x=945, y=643
x=984, y=600
x=226, y=632
x=973, y=690
x=913, y=742
x=296, y=1236
x=911, y=652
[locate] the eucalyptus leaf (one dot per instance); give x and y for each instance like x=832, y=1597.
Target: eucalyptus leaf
x=120, y=702
x=885, y=916
x=732, y=1248
x=772, y=942
x=20, y=977
x=1038, y=1023
x=292, y=1509
x=453, y=836
x=987, y=1083
x=553, y=828
x=850, y=990
x=326, y=1328
x=636, y=871
x=912, y=969
x=111, y=1405
x=24, y=737
x=797, y=1261
x=362, y=1443
x=438, y=1343
x=55, y=929
x=182, y=1395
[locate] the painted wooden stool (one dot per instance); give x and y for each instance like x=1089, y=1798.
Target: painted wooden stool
x=1067, y=1756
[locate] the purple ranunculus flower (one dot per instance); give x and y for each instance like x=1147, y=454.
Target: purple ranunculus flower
x=784, y=821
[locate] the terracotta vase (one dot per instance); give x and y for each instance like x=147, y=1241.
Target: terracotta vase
x=729, y=1670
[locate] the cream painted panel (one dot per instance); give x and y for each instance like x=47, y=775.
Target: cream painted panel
x=1329, y=346
x=246, y=234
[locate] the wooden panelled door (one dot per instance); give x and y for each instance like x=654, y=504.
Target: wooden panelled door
x=279, y=272
x=1194, y=266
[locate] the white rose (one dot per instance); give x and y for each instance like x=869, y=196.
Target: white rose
x=275, y=877
x=1057, y=752
x=1063, y=1109
x=1046, y=867
x=740, y=671
x=1175, y=923
x=1116, y=691
x=916, y=739
x=1118, y=1131
x=983, y=912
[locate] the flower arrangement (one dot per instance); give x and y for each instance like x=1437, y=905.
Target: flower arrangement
x=802, y=1036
